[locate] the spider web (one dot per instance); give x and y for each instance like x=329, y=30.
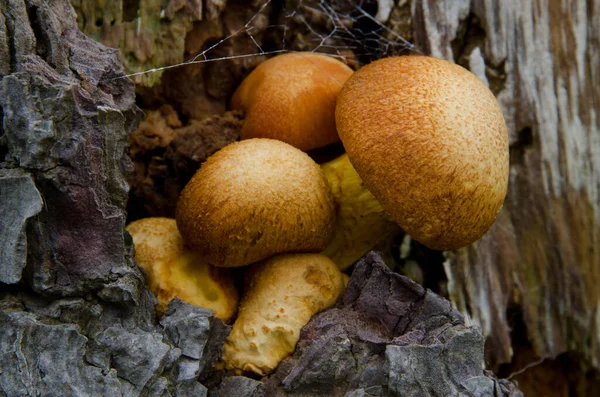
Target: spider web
x=352, y=32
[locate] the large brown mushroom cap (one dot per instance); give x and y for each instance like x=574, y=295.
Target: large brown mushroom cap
x=429, y=140
x=291, y=98
x=254, y=199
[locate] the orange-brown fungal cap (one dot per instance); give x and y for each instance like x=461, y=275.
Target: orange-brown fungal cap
x=291, y=98
x=174, y=271
x=429, y=140
x=254, y=199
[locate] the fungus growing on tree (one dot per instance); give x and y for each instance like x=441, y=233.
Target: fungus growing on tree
x=175, y=271
x=430, y=142
x=282, y=294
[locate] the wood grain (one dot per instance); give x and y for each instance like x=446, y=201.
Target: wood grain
x=541, y=259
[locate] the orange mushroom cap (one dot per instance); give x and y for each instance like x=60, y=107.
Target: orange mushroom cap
x=430, y=142
x=291, y=98
x=254, y=199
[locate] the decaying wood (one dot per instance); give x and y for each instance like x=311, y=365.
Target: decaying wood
x=540, y=263
x=541, y=260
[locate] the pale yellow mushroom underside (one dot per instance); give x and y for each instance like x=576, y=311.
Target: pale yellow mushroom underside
x=174, y=271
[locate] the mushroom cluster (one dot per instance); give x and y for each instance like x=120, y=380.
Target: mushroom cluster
x=426, y=150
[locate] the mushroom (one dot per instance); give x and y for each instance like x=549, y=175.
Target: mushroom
x=291, y=97
x=175, y=271
x=430, y=142
x=254, y=199
x=281, y=296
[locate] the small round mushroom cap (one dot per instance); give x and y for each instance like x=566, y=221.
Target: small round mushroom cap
x=175, y=271
x=291, y=98
x=429, y=140
x=254, y=199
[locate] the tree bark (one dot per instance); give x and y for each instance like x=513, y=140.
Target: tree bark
x=541, y=259
x=531, y=282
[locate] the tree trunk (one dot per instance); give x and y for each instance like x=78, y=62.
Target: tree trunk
x=530, y=283
x=536, y=271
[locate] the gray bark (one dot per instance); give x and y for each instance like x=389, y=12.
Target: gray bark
x=79, y=319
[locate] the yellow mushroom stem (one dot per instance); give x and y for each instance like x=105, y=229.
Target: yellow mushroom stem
x=282, y=294
x=360, y=220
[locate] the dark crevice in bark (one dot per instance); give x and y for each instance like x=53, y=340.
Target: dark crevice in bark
x=519, y=148
x=3, y=146
x=12, y=45
x=42, y=44
x=559, y=376
x=400, y=22
x=130, y=10
x=470, y=35
x=363, y=26
x=431, y=264
x=496, y=77
x=273, y=38
x=514, y=318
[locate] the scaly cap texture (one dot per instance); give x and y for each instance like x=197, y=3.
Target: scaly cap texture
x=429, y=140
x=254, y=199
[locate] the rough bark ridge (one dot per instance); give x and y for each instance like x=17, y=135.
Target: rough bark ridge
x=79, y=318
x=387, y=336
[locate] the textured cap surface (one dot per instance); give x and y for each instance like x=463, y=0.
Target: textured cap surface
x=291, y=98
x=254, y=199
x=429, y=140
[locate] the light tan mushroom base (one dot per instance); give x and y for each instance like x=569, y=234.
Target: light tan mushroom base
x=174, y=271
x=281, y=295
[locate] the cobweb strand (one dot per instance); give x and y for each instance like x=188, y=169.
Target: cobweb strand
x=342, y=36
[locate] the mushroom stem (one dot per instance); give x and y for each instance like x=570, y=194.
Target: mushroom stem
x=282, y=294
x=360, y=220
